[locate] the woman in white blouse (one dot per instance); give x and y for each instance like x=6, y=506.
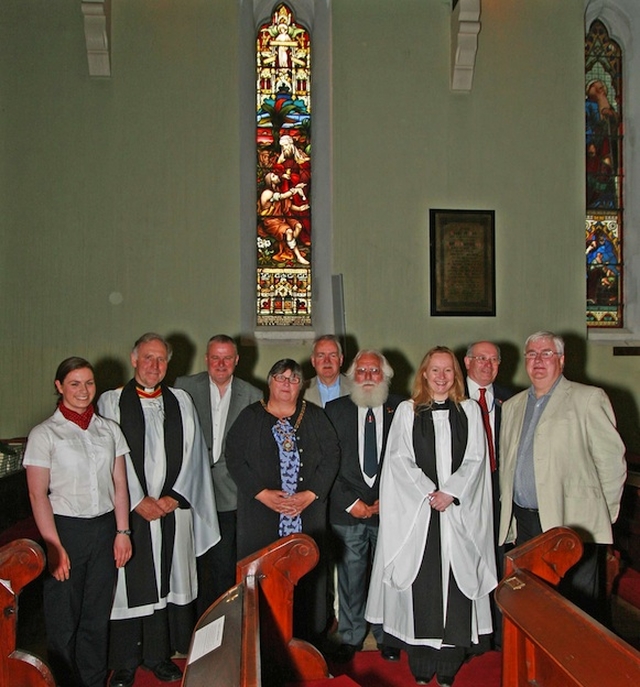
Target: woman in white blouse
x=78, y=491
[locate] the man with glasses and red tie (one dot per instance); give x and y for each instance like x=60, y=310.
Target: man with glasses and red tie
x=362, y=422
x=482, y=363
x=562, y=463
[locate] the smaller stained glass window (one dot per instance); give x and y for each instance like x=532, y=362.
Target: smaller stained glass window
x=604, y=177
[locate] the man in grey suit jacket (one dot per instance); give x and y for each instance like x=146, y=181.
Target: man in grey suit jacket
x=562, y=463
x=327, y=359
x=219, y=397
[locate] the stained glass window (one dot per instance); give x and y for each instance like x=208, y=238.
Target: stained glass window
x=604, y=218
x=283, y=144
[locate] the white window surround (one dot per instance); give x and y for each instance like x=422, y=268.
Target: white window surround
x=622, y=19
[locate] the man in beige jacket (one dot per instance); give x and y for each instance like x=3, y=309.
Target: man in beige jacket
x=562, y=463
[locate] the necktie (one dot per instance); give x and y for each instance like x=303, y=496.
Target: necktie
x=487, y=427
x=370, y=445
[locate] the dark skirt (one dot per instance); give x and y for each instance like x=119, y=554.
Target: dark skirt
x=453, y=627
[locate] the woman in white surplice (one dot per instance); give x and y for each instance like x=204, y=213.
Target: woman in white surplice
x=435, y=563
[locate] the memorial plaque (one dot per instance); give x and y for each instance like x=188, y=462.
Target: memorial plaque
x=462, y=247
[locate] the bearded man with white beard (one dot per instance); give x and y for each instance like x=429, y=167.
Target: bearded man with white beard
x=362, y=422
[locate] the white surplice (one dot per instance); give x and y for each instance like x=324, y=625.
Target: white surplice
x=196, y=528
x=467, y=547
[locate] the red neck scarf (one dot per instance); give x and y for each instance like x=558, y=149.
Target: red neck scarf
x=80, y=419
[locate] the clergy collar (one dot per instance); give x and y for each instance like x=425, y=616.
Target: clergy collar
x=146, y=392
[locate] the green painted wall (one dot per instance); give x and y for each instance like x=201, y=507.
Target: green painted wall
x=120, y=196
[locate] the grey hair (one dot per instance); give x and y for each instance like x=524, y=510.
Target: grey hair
x=327, y=337
x=558, y=341
x=284, y=365
x=387, y=370
x=222, y=339
x=470, y=347
x=152, y=336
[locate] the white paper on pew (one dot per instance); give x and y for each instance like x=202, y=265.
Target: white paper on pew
x=206, y=639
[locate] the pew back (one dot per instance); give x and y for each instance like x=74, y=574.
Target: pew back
x=21, y=561
x=254, y=621
x=547, y=640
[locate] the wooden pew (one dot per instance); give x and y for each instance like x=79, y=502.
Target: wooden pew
x=245, y=639
x=21, y=561
x=547, y=640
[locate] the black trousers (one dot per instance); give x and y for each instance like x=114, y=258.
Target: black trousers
x=584, y=584
x=150, y=639
x=217, y=566
x=77, y=610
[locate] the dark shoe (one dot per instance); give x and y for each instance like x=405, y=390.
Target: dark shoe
x=389, y=653
x=422, y=680
x=165, y=671
x=444, y=681
x=345, y=652
x=124, y=677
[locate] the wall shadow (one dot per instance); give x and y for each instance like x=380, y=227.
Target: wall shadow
x=184, y=351
x=622, y=400
x=248, y=353
x=403, y=372
x=110, y=373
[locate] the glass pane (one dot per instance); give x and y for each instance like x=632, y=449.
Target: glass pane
x=604, y=270
x=283, y=145
x=604, y=178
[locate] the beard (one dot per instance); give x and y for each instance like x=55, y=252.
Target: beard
x=366, y=395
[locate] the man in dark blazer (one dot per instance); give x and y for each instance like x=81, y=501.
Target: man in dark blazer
x=482, y=363
x=353, y=502
x=219, y=397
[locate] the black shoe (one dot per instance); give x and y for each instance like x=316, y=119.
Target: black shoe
x=444, y=681
x=422, y=680
x=345, y=652
x=124, y=677
x=165, y=671
x=389, y=653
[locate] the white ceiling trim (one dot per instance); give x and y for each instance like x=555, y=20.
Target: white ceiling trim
x=97, y=33
x=465, y=27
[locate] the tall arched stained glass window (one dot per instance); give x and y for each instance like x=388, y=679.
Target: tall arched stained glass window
x=604, y=217
x=283, y=144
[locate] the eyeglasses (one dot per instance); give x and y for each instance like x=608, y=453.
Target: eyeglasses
x=371, y=370
x=547, y=354
x=294, y=379
x=484, y=359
